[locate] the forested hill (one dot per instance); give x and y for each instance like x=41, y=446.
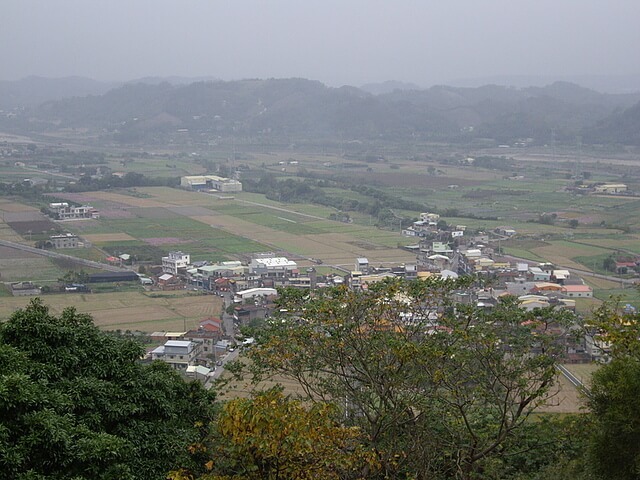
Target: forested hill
x=297, y=108
x=622, y=127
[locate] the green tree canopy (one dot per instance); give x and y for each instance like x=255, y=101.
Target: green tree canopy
x=614, y=393
x=77, y=403
x=437, y=389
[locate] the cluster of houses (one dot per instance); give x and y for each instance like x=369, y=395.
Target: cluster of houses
x=194, y=352
x=447, y=253
x=197, y=352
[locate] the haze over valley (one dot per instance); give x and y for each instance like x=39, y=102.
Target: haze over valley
x=299, y=240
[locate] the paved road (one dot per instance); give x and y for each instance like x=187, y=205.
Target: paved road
x=586, y=273
x=36, y=170
x=230, y=356
x=575, y=381
x=281, y=209
x=50, y=254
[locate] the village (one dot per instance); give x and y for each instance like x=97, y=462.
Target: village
x=250, y=289
x=433, y=246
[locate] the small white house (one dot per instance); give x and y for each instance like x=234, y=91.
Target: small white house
x=252, y=293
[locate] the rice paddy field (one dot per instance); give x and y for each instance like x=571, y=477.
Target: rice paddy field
x=148, y=222
x=210, y=228
x=129, y=310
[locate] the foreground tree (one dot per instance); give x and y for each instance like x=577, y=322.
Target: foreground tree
x=76, y=403
x=271, y=437
x=437, y=389
x=613, y=396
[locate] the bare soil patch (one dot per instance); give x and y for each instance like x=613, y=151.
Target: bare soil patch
x=563, y=398
x=6, y=252
x=128, y=200
x=25, y=216
x=108, y=237
x=34, y=227
x=152, y=212
x=116, y=213
x=16, y=207
x=76, y=197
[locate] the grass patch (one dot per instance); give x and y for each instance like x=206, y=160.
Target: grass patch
x=521, y=253
x=626, y=295
x=595, y=263
x=37, y=269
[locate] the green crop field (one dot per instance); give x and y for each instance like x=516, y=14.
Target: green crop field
x=151, y=221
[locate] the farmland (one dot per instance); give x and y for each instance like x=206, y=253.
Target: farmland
x=214, y=229
x=128, y=310
x=148, y=222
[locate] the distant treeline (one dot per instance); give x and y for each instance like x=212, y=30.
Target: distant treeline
x=379, y=204
x=131, y=179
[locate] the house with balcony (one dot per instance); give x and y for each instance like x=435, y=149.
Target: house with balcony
x=175, y=262
x=179, y=354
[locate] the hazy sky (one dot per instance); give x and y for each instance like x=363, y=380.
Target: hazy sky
x=335, y=41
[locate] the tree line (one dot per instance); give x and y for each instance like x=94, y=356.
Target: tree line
x=397, y=381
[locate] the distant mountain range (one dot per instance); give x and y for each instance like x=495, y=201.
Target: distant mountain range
x=32, y=91
x=290, y=109
x=388, y=87
x=600, y=83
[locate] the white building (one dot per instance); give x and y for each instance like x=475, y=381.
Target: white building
x=175, y=261
x=540, y=275
x=177, y=353
x=65, y=212
x=362, y=265
x=252, y=293
x=611, y=188
x=272, y=266
x=211, y=182
x=430, y=217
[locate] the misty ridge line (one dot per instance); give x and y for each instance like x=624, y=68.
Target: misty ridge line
x=296, y=107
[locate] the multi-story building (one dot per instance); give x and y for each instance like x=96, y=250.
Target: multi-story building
x=362, y=265
x=207, y=335
x=64, y=211
x=270, y=266
x=175, y=261
x=177, y=353
x=64, y=240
